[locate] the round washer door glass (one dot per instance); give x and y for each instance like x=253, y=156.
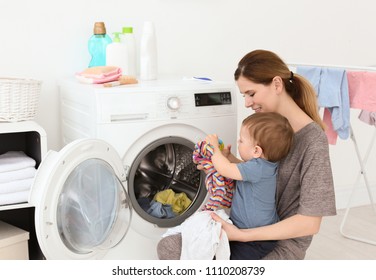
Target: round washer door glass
x=93, y=211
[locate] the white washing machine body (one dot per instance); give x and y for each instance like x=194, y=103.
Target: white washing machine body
x=143, y=135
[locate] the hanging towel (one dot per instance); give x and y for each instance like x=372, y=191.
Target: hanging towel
x=21, y=174
x=15, y=160
x=331, y=86
x=15, y=197
x=221, y=189
x=362, y=90
x=16, y=186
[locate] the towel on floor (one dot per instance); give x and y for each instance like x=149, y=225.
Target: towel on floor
x=221, y=189
x=15, y=160
x=15, y=197
x=21, y=174
x=16, y=186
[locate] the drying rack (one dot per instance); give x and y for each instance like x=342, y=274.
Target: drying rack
x=361, y=160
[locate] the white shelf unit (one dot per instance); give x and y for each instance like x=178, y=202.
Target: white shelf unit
x=29, y=137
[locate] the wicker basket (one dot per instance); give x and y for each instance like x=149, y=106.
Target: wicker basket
x=18, y=99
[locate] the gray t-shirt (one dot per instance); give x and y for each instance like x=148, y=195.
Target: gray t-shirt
x=304, y=186
x=253, y=204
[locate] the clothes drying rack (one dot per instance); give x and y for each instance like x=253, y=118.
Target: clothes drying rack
x=361, y=160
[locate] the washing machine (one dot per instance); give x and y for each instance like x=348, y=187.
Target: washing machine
x=123, y=147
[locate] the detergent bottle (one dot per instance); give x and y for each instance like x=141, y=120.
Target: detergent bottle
x=116, y=54
x=130, y=43
x=97, y=45
x=148, y=53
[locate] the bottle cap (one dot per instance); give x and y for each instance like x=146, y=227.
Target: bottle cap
x=116, y=37
x=148, y=27
x=99, y=28
x=127, y=29
x=221, y=144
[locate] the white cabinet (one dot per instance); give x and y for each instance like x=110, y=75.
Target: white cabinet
x=30, y=138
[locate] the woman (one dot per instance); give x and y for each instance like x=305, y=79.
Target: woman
x=305, y=191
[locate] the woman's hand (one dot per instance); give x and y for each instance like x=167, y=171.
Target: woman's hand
x=233, y=233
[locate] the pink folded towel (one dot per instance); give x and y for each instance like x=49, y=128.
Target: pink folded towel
x=99, y=75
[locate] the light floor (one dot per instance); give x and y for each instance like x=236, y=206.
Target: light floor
x=330, y=244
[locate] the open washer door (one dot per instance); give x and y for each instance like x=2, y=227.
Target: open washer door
x=82, y=209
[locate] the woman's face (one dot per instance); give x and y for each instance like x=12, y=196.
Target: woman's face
x=259, y=97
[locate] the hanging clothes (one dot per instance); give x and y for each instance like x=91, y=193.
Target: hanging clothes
x=332, y=89
x=362, y=87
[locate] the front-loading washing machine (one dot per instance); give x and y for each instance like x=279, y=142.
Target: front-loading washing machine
x=123, y=147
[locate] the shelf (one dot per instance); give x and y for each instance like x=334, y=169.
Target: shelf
x=15, y=206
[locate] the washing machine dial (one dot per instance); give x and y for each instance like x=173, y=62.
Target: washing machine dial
x=173, y=103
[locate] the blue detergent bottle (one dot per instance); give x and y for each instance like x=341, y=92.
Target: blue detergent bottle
x=97, y=45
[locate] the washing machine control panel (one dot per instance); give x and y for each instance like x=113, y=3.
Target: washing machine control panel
x=173, y=103
x=212, y=99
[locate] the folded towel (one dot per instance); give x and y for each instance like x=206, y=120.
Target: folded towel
x=16, y=186
x=12, y=198
x=15, y=160
x=21, y=174
x=99, y=75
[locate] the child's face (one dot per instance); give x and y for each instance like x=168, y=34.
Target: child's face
x=246, y=146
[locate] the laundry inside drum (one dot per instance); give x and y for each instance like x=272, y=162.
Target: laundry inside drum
x=166, y=181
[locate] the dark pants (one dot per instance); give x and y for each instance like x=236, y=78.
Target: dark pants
x=254, y=250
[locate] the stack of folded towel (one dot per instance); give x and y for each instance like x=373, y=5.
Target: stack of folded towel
x=17, y=172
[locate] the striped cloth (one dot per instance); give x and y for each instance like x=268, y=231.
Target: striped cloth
x=221, y=189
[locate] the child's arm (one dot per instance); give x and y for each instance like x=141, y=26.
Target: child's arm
x=221, y=163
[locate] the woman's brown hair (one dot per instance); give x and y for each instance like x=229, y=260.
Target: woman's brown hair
x=261, y=66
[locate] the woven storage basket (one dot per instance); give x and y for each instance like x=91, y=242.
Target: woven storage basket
x=18, y=99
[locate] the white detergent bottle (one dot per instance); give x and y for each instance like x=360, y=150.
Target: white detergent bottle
x=128, y=39
x=148, y=53
x=116, y=54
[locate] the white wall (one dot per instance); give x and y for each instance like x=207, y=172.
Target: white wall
x=47, y=40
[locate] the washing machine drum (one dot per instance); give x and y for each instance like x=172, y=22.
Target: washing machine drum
x=165, y=186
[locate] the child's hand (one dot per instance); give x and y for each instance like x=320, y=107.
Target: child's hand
x=227, y=151
x=212, y=139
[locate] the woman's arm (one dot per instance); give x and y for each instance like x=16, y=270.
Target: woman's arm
x=292, y=227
